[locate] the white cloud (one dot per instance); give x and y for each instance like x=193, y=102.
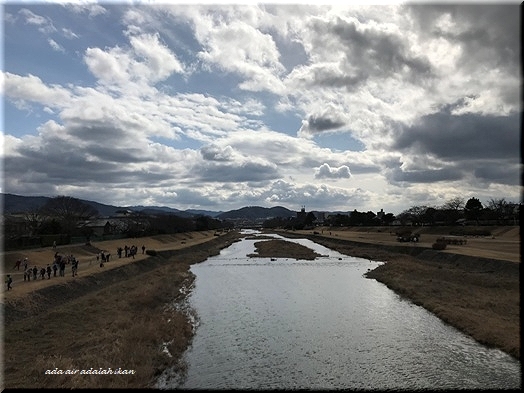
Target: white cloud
x=53, y=44
x=224, y=106
x=45, y=25
x=326, y=172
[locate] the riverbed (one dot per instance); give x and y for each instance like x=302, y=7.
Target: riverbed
x=280, y=323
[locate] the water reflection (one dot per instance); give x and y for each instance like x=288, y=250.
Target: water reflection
x=289, y=324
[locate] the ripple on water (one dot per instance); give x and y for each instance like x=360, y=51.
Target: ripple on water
x=320, y=324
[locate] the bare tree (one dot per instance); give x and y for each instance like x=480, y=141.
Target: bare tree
x=414, y=214
x=68, y=210
x=456, y=203
x=34, y=220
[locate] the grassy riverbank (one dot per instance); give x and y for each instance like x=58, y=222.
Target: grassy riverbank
x=479, y=296
x=117, y=318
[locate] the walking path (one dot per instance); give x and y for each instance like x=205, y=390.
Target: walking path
x=87, y=256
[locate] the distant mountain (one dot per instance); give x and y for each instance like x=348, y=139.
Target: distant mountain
x=153, y=209
x=257, y=212
x=203, y=212
x=13, y=204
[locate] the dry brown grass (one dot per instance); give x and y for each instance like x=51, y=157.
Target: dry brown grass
x=504, y=242
x=283, y=249
x=121, y=319
x=87, y=256
x=480, y=297
x=124, y=324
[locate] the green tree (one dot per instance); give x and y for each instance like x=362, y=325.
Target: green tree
x=473, y=209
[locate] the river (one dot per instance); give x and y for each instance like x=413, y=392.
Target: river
x=294, y=324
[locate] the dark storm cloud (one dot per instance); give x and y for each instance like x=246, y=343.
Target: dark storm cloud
x=73, y=169
x=498, y=172
x=323, y=123
x=101, y=131
x=215, y=153
x=248, y=171
x=370, y=52
x=462, y=137
x=491, y=35
x=425, y=176
x=122, y=155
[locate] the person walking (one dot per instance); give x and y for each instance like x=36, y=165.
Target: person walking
x=48, y=271
x=74, y=267
x=35, y=273
x=9, y=281
x=55, y=268
x=17, y=264
x=143, y=248
x=62, y=268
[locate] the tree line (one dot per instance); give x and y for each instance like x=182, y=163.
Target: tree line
x=456, y=211
x=459, y=211
x=64, y=217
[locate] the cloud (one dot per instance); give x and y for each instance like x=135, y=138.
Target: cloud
x=53, y=44
x=44, y=24
x=147, y=63
x=92, y=10
x=319, y=124
x=326, y=172
x=229, y=105
x=21, y=89
x=69, y=34
x=215, y=153
x=462, y=137
x=313, y=195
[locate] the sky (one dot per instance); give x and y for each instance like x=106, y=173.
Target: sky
x=218, y=106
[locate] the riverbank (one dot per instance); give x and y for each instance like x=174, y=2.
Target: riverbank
x=479, y=296
x=122, y=318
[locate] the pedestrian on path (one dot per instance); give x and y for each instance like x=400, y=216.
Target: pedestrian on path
x=9, y=281
x=62, y=268
x=74, y=267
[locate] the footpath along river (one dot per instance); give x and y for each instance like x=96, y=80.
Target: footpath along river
x=266, y=323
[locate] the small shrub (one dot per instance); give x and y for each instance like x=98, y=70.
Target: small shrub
x=151, y=252
x=439, y=246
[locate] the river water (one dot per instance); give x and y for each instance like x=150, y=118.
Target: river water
x=296, y=324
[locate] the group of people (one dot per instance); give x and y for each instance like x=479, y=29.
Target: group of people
x=129, y=251
x=60, y=262
x=58, y=266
